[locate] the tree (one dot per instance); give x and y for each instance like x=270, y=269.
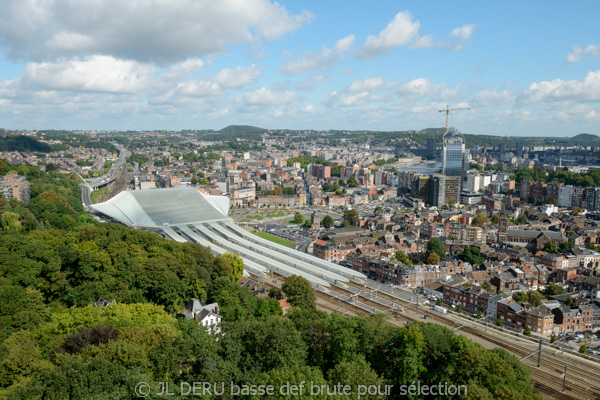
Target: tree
x=439, y=302
x=403, y=258
x=552, y=200
x=298, y=218
x=486, y=286
x=451, y=203
x=553, y=289
x=336, y=170
x=583, y=349
x=327, y=221
x=527, y=331
x=435, y=245
x=352, y=217
x=478, y=167
x=535, y=299
x=553, y=339
x=432, y=258
x=278, y=190
x=275, y=293
x=495, y=219
x=459, y=309
x=549, y=247
x=520, y=297
x=577, y=211
x=50, y=167
x=480, y=220
x=237, y=265
x=10, y=222
x=471, y=255
x=479, y=315
x=299, y=292
x=342, y=182
x=307, y=224
x=521, y=219
x=563, y=247
x=499, y=322
x=352, y=182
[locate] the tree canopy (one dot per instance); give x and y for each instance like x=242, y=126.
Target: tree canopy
x=435, y=245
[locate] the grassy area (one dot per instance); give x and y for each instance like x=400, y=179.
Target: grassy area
x=273, y=238
x=99, y=195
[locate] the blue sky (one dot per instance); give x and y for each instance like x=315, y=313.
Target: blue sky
x=524, y=68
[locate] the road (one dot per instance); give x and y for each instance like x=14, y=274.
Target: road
x=104, y=180
x=86, y=195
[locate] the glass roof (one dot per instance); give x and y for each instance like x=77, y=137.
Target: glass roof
x=163, y=207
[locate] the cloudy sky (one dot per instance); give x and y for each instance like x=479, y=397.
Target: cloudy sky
x=524, y=68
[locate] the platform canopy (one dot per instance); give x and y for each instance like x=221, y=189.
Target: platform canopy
x=164, y=207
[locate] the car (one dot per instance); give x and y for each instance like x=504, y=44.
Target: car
x=571, y=338
x=593, y=337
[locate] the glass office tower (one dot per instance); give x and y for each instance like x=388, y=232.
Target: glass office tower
x=453, y=154
x=453, y=163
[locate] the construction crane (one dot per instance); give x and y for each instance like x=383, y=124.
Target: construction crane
x=447, y=111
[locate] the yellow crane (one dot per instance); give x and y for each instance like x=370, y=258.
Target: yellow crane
x=447, y=111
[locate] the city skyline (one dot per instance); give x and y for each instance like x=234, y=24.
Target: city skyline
x=523, y=70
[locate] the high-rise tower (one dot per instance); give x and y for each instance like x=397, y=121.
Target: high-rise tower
x=453, y=166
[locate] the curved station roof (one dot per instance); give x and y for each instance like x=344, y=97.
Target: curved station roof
x=163, y=207
x=186, y=215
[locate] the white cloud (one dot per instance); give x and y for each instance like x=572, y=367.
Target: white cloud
x=458, y=37
x=360, y=99
x=238, y=77
x=368, y=85
x=583, y=90
x=95, y=74
x=418, y=88
x=199, y=88
x=157, y=31
x=402, y=30
x=310, y=109
x=268, y=97
x=493, y=97
x=578, y=54
x=326, y=59
x=578, y=112
x=399, y=32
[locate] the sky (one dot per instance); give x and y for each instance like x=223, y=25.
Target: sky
x=523, y=68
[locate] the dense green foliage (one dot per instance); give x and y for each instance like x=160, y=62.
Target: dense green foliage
x=591, y=178
x=350, y=217
x=105, y=352
x=138, y=158
x=471, y=255
x=435, y=245
x=299, y=292
x=304, y=161
x=23, y=143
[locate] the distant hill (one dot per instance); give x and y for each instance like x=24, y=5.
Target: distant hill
x=585, y=136
x=23, y=143
x=242, y=129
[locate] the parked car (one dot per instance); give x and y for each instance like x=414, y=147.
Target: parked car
x=593, y=337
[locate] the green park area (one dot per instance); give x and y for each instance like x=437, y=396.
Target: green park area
x=273, y=238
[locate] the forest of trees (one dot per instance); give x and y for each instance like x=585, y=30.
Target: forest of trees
x=55, y=261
